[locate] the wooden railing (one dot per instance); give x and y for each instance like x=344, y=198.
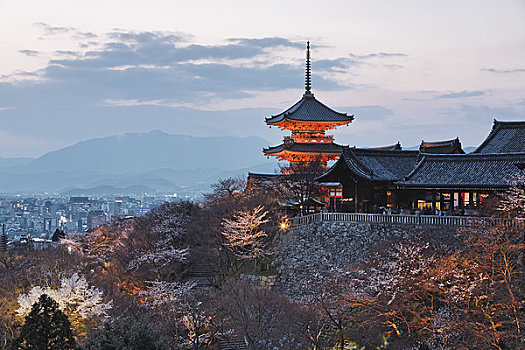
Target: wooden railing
x=405, y=219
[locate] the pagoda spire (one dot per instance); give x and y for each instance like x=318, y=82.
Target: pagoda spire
x=308, y=79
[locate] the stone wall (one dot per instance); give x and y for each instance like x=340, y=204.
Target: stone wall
x=306, y=255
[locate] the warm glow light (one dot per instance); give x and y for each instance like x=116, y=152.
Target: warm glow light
x=284, y=224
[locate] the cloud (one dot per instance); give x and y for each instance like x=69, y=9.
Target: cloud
x=503, y=71
x=394, y=66
x=29, y=52
x=485, y=114
x=67, y=53
x=165, y=67
x=339, y=64
x=378, y=55
x=272, y=42
x=464, y=93
x=49, y=30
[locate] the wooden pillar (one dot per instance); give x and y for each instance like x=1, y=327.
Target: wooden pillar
x=434, y=201
x=355, y=196
x=441, y=201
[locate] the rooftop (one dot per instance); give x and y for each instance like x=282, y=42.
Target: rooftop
x=505, y=137
x=309, y=109
x=374, y=164
x=442, y=147
x=465, y=171
x=328, y=147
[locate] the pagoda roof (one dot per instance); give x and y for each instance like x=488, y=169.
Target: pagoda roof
x=505, y=137
x=309, y=109
x=442, y=147
x=472, y=171
x=373, y=164
x=300, y=147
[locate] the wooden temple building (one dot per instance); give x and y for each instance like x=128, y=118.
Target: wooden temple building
x=308, y=120
x=438, y=177
x=429, y=179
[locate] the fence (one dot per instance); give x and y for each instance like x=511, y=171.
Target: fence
x=405, y=219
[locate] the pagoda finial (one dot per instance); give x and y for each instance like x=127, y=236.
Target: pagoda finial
x=308, y=80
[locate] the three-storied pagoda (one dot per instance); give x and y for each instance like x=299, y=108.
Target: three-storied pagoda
x=308, y=120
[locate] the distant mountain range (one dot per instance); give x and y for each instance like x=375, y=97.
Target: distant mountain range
x=136, y=163
x=140, y=163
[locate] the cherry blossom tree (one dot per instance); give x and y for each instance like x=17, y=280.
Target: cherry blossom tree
x=243, y=234
x=83, y=304
x=513, y=200
x=159, y=293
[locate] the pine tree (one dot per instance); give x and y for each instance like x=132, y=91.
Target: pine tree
x=45, y=328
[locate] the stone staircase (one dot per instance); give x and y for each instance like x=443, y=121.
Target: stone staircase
x=233, y=344
x=202, y=275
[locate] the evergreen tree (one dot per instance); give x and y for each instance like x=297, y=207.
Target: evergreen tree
x=45, y=328
x=58, y=235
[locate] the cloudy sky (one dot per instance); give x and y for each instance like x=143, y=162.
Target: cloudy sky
x=407, y=70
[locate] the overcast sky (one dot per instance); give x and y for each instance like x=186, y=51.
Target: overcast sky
x=407, y=70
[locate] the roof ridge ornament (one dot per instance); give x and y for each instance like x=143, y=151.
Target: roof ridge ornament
x=308, y=78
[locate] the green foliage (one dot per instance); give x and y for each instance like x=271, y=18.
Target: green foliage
x=127, y=334
x=58, y=235
x=45, y=328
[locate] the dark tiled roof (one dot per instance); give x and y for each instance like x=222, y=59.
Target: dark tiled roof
x=396, y=147
x=255, y=179
x=310, y=109
x=374, y=164
x=505, y=137
x=305, y=147
x=464, y=171
x=442, y=147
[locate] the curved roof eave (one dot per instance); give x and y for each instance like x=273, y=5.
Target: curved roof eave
x=297, y=112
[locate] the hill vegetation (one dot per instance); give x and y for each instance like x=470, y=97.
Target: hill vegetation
x=188, y=276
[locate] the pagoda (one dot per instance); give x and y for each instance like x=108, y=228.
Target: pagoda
x=308, y=120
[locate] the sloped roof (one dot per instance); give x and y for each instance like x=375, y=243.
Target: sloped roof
x=310, y=109
x=505, y=137
x=464, y=171
x=442, y=147
x=374, y=164
x=395, y=147
x=305, y=148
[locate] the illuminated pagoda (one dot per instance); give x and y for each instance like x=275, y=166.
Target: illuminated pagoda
x=308, y=120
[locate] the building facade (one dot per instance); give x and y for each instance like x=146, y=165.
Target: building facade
x=429, y=180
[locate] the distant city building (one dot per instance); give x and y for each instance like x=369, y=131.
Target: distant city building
x=95, y=219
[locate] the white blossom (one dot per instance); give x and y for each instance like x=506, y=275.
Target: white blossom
x=404, y=261
x=243, y=234
x=161, y=255
x=74, y=296
x=162, y=292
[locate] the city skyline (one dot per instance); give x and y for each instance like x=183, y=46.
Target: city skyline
x=416, y=70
